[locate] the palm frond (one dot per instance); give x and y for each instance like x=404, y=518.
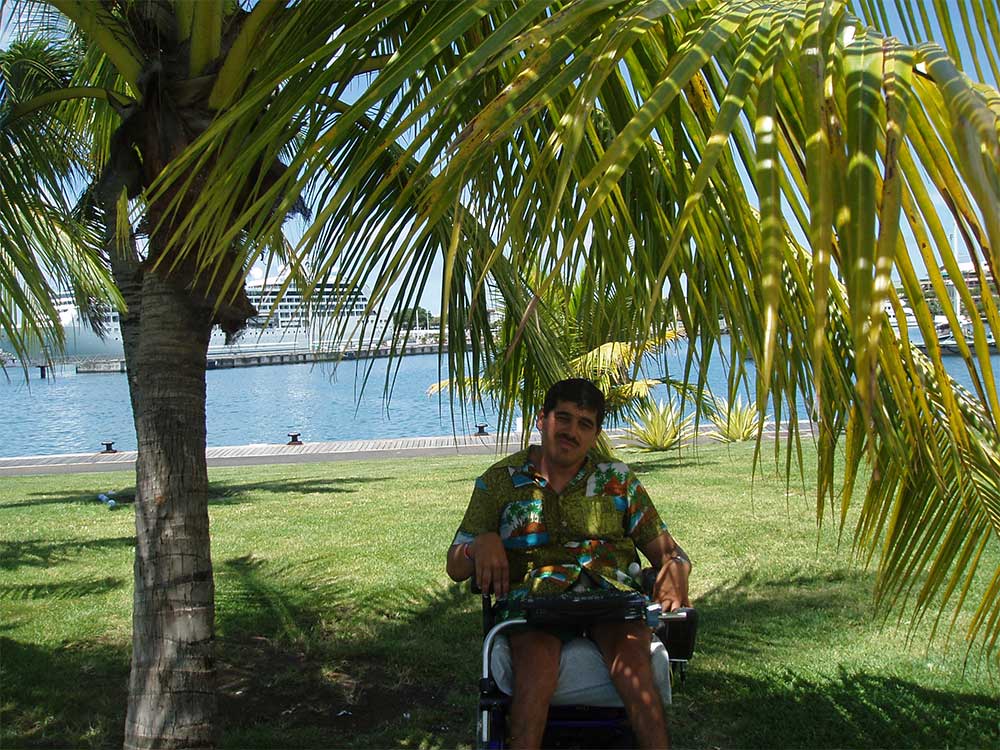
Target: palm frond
x=41, y=247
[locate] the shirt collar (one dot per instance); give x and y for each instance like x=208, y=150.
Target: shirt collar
x=523, y=470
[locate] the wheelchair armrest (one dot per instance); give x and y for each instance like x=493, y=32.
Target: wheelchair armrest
x=678, y=631
x=489, y=616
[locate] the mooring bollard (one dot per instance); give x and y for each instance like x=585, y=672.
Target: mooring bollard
x=108, y=446
x=294, y=438
x=481, y=429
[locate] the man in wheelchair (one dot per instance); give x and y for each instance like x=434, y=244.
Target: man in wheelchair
x=552, y=520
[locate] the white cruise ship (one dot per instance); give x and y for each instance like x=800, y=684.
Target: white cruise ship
x=290, y=327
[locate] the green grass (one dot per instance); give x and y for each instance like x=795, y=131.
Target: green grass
x=337, y=626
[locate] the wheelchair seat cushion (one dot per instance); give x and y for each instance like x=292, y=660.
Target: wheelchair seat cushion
x=583, y=676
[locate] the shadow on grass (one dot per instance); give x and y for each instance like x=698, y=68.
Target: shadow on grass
x=60, y=591
x=303, y=661
x=38, y=553
x=70, y=696
x=768, y=620
x=853, y=710
x=219, y=492
x=643, y=463
x=756, y=617
x=52, y=498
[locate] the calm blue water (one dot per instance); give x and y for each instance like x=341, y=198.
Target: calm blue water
x=73, y=413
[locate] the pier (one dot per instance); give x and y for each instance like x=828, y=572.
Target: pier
x=262, y=359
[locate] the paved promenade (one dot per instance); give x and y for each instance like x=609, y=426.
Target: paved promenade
x=273, y=453
x=246, y=455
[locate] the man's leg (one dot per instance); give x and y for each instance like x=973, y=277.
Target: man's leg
x=625, y=647
x=535, y=657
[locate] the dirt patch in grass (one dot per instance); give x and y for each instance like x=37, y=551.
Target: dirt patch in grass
x=263, y=684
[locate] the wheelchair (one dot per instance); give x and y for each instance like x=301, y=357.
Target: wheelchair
x=586, y=705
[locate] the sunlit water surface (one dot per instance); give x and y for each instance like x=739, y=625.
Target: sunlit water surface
x=72, y=413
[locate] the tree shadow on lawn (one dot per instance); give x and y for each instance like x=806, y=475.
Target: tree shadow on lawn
x=643, y=462
x=62, y=590
x=340, y=671
x=88, y=497
x=852, y=710
x=781, y=705
x=219, y=492
x=222, y=491
x=39, y=553
x=303, y=662
x=70, y=696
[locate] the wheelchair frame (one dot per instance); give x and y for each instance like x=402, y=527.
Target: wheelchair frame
x=494, y=704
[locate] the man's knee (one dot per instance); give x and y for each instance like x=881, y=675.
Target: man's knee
x=624, y=645
x=535, y=658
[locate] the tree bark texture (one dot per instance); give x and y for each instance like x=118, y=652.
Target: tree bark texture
x=172, y=700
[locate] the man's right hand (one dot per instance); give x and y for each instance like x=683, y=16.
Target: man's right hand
x=490, y=559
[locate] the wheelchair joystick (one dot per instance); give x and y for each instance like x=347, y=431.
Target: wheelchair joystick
x=635, y=572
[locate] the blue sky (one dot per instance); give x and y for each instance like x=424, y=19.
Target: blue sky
x=5, y=27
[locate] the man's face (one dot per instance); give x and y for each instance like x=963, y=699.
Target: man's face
x=568, y=432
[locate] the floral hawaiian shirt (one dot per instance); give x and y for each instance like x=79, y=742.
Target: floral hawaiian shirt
x=594, y=525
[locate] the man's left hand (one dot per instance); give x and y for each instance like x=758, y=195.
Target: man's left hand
x=671, y=586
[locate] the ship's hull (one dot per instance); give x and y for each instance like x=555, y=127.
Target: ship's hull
x=288, y=324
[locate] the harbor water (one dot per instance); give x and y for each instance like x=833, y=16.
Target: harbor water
x=75, y=413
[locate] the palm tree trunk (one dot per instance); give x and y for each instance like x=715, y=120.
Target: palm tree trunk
x=172, y=700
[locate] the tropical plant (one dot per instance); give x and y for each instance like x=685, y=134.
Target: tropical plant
x=415, y=317
x=137, y=84
x=583, y=347
x=32, y=271
x=526, y=144
x=660, y=426
x=735, y=422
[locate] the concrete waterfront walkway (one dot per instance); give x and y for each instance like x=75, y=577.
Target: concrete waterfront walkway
x=247, y=455
x=308, y=452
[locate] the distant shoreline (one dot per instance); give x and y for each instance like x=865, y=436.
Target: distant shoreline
x=262, y=359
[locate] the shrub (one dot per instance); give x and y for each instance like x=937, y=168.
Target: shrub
x=659, y=427
x=735, y=422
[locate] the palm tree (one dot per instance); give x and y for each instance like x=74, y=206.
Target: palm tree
x=584, y=340
x=148, y=79
x=731, y=159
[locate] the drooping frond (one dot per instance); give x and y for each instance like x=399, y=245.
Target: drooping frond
x=41, y=248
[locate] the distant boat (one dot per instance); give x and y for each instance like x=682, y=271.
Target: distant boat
x=890, y=315
x=950, y=345
x=293, y=325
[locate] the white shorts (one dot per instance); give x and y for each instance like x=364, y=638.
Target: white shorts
x=583, y=676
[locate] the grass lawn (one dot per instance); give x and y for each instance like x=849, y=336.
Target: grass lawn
x=337, y=626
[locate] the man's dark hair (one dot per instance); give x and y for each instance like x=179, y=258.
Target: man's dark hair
x=579, y=391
